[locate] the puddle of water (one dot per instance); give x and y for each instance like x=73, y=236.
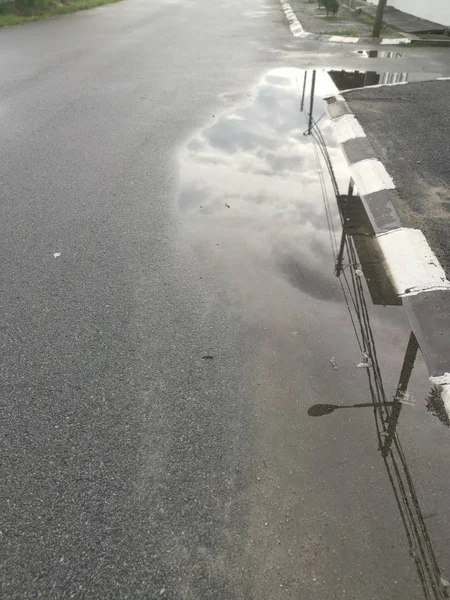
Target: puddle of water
x=253, y=173
x=256, y=183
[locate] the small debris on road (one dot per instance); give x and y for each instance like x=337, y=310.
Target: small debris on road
x=227, y=205
x=56, y=254
x=366, y=363
x=334, y=363
x=208, y=357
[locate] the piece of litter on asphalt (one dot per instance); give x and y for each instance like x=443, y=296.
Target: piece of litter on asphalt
x=227, y=205
x=56, y=254
x=334, y=363
x=444, y=582
x=366, y=363
x=358, y=272
x=363, y=365
x=208, y=357
x=161, y=591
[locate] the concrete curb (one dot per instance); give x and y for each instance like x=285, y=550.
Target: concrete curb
x=416, y=273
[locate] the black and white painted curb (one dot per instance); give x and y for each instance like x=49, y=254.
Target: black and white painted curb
x=416, y=273
x=298, y=31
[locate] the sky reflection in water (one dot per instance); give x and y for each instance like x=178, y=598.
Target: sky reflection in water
x=255, y=172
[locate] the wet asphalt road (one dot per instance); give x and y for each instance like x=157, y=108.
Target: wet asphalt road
x=157, y=372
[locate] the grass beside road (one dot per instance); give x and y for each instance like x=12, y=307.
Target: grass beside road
x=9, y=15
x=343, y=32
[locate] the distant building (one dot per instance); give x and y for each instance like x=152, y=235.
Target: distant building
x=437, y=11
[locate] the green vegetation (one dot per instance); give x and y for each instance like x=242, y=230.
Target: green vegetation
x=15, y=12
x=331, y=6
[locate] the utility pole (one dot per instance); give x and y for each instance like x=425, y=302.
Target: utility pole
x=379, y=18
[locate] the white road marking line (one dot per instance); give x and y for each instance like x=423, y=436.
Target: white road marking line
x=370, y=176
x=344, y=39
x=347, y=128
x=395, y=41
x=413, y=265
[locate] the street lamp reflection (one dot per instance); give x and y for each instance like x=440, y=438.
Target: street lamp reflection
x=318, y=410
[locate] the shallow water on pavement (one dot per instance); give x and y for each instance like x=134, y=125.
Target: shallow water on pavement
x=355, y=503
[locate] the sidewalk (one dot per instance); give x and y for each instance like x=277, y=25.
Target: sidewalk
x=346, y=23
x=357, y=22
x=406, y=128
x=400, y=20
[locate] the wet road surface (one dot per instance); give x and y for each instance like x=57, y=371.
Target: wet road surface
x=170, y=316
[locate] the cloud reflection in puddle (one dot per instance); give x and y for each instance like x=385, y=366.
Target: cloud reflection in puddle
x=253, y=173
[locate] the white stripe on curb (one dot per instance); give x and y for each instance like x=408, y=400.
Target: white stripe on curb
x=413, y=264
x=348, y=128
x=370, y=176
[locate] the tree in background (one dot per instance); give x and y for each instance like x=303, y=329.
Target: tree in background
x=331, y=6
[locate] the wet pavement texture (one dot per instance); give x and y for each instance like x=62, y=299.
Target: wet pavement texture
x=409, y=129
x=194, y=405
